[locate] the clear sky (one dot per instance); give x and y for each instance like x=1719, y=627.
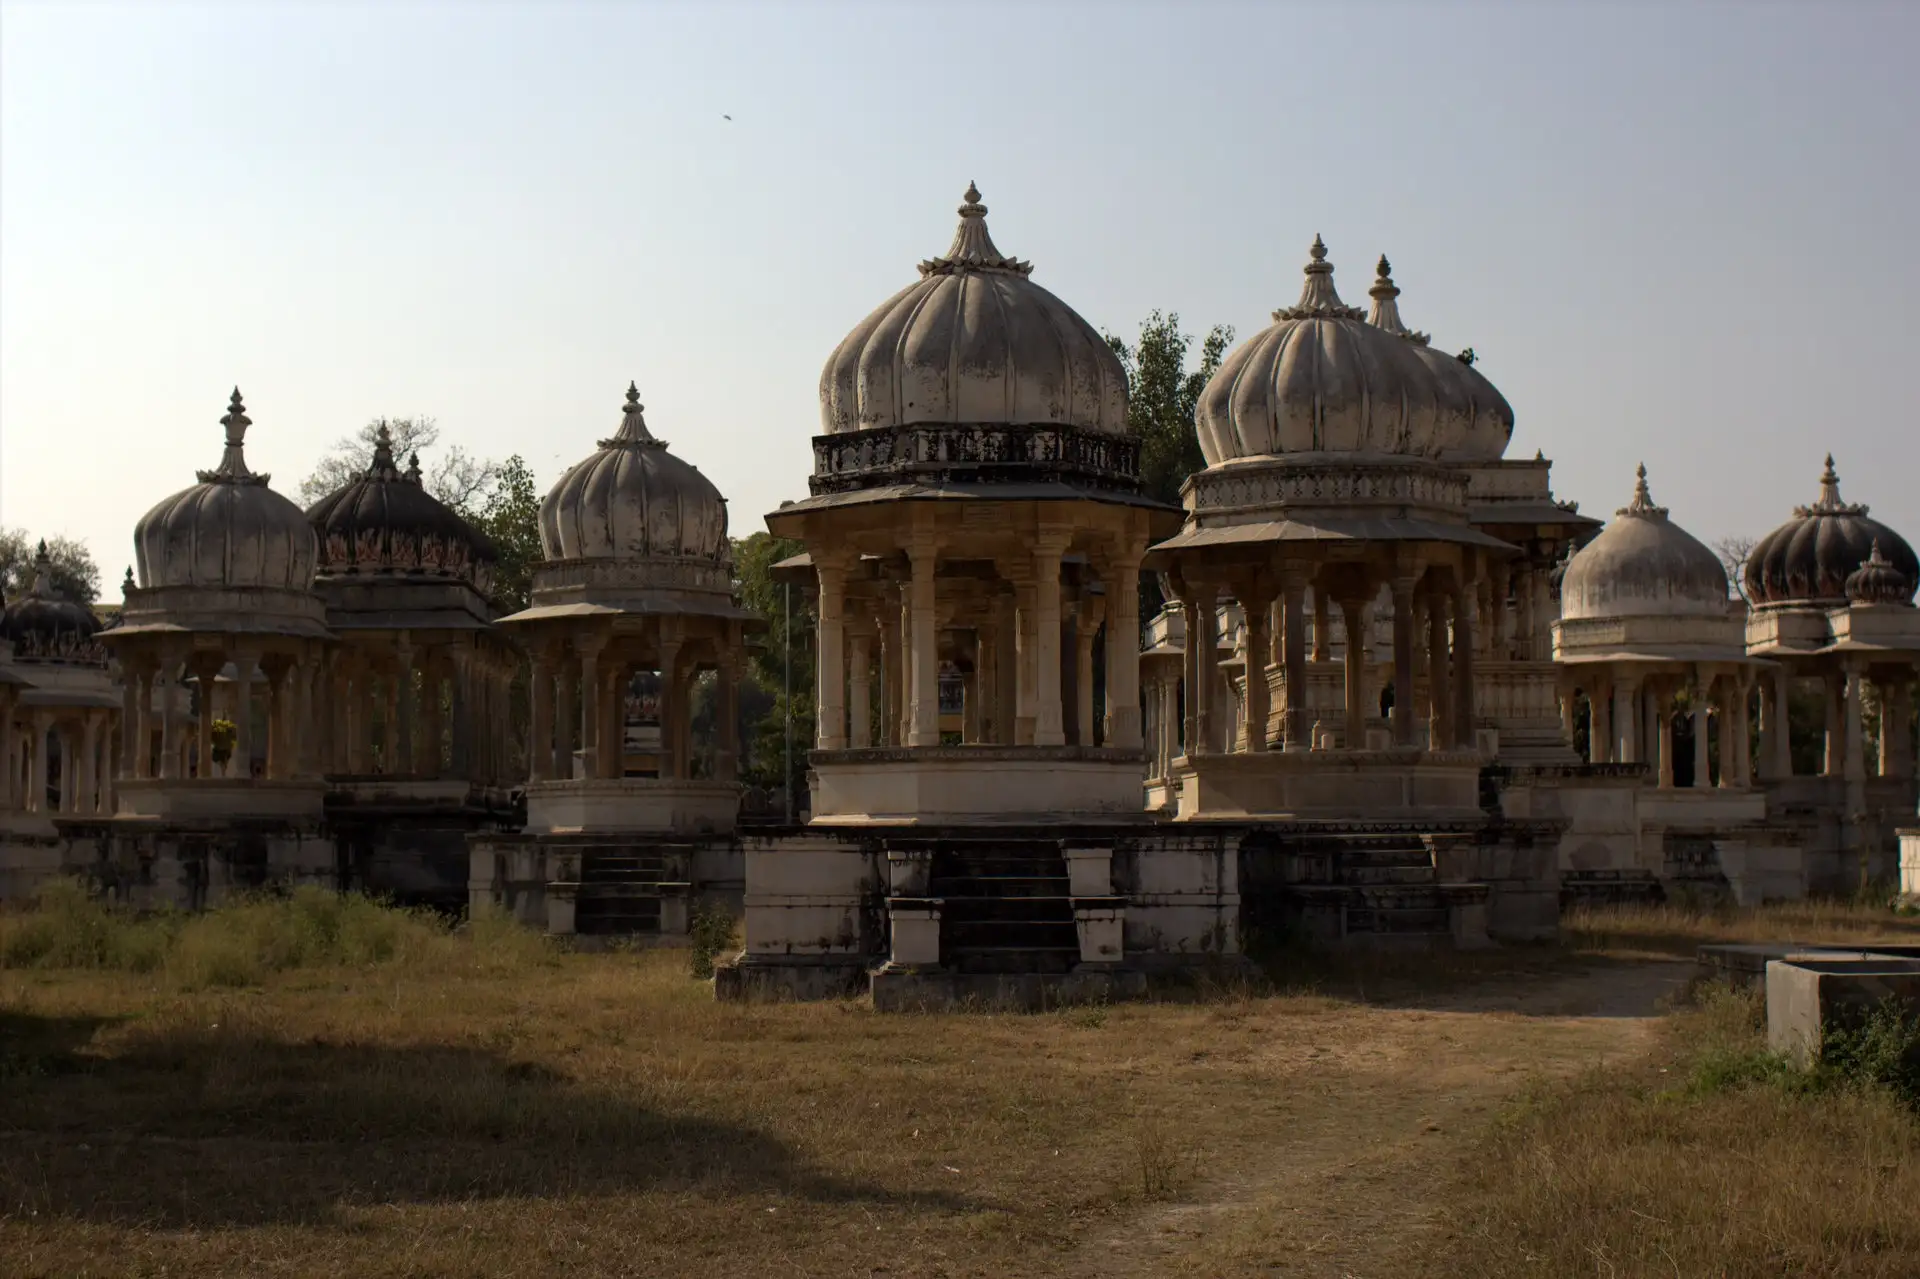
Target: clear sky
x=1681, y=233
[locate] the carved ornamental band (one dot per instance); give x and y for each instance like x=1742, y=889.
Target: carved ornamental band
x=966, y=454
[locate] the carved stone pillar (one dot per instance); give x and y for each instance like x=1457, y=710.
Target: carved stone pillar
x=1123, y=651
x=540, y=746
x=1048, y=728
x=831, y=708
x=1086, y=627
x=860, y=690
x=615, y=676
x=404, y=708
x=1006, y=669
x=986, y=680
x=1742, y=690
x=674, y=707
x=1322, y=625
x=1403, y=703
x=1439, y=675
x=1463, y=656
x=1259, y=695
x=1625, y=732
x=889, y=673
x=1353, y=613
x=1833, y=685
x=591, y=692
x=1853, y=765
x=1702, y=725
x=1026, y=667
x=924, y=646
x=1293, y=594
x=42, y=726
x=169, y=725
x=566, y=686
x=130, y=717
x=205, y=672
x=1192, y=673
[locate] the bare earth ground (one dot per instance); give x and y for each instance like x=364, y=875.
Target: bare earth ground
x=600, y=1115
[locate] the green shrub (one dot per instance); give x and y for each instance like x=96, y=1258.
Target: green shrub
x=710, y=930
x=68, y=927
x=1880, y=1050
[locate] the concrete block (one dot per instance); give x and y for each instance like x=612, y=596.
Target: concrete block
x=1808, y=995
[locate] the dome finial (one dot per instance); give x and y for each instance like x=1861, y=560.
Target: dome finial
x=1318, y=298
x=1829, y=484
x=633, y=422
x=413, y=469
x=1642, y=505
x=382, y=468
x=973, y=248
x=42, y=573
x=1386, y=311
x=126, y=583
x=233, y=462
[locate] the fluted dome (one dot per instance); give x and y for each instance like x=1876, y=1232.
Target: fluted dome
x=230, y=530
x=43, y=626
x=632, y=500
x=1808, y=559
x=974, y=341
x=1327, y=377
x=386, y=522
x=1877, y=581
x=1644, y=565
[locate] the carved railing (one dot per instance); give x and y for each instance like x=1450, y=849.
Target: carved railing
x=957, y=453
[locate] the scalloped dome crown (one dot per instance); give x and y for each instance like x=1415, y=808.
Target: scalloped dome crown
x=385, y=521
x=974, y=341
x=228, y=531
x=633, y=499
x=1644, y=565
x=43, y=626
x=1808, y=559
x=1328, y=378
x=1877, y=581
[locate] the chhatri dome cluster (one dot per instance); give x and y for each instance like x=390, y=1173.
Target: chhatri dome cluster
x=1047, y=733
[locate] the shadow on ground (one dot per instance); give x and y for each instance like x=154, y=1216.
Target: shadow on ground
x=205, y=1127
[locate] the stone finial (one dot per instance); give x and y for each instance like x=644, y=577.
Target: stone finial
x=126, y=583
x=633, y=430
x=1319, y=300
x=973, y=249
x=1386, y=311
x=233, y=462
x=1642, y=506
x=413, y=470
x=42, y=588
x=383, y=467
x=1830, y=502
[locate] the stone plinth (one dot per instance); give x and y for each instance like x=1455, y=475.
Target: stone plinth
x=217, y=799
x=1910, y=863
x=975, y=784
x=1809, y=996
x=1388, y=785
x=632, y=804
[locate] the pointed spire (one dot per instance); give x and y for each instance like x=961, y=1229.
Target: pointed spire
x=1642, y=506
x=1386, y=311
x=126, y=583
x=233, y=462
x=1318, y=298
x=42, y=573
x=1830, y=502
x=633, y=430
x=413, y=470
x=383, y=467
x=973, y=248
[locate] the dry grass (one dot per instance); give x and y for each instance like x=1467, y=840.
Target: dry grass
x=474, y=1103
x=1709, y=1158
x=1678, y=929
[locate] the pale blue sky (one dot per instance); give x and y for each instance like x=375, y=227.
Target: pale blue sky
x=1679, y=233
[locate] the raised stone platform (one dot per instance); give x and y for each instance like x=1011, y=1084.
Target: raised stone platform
x=218, y=799
x=1380, y=785
x=639, y=804
x=939, y=785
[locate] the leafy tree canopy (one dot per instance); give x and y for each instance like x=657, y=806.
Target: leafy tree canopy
x=455, y=477
x=509, y=514
x=1161, y=394
x=75, y=575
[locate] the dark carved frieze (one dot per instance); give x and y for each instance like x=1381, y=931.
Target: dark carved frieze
x=961, y=453
x=1322, y=484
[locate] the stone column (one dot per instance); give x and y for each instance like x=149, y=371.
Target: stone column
x=923, y=644
x=1897, y=754
x=1742, y=689
x=1702, y=725
x=1439, y=674
x=888, y=626
x=1026, y=668
x=1192, y=675
x=726, y=714
x=130, y=684
x=1086, y=628
x=89, y=770
x=615, y=677
x=1293, y=597
x=1048, y=729
x=986, y=679
x=860, y=690
x=204, y=676
x=591, y=692
x=831, y=708
x=674, y=707
x=169, y=724
x=1259, y=695
x=566, y=716
x=1625, y=733
x=540, y=745
x=405, y=709
x=1463, y=690
x=1497, y=604
x=1403, y=702
x=1123, y=651
x=1353, y=614
x=42, y=722
x=1833, y=685
x=1724, y=710
x=142, y=749
x=1523, y=613
x=1782, y=744
x=1006, y=669
x=1853, y=765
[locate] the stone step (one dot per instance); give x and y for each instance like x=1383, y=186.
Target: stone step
x=1371, y=920
x=999, y=886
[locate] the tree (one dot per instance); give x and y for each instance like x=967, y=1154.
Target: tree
x=1162, y=393
x=785, y=656
x=75, y=575
x=509, y=514
x=457, y=478
x=1734, y=552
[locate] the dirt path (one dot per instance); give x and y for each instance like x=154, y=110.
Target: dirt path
x=1379, y=1104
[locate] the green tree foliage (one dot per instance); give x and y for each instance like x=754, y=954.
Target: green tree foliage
x=456, y=478
x=788, y=638
x=75, y=575
x=508, y=512
x=1161, y=394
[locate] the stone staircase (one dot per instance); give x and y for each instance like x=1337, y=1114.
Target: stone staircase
x=1007, y=906
x=1384, y=891
x=622, y=890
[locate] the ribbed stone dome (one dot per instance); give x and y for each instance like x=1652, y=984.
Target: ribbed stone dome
x=385, y=521
x=1643, y=565
x=230, y=530
x=632, y=500
x=974, y=341
x=44, y=627
x=1328, y=378
x=1878, y=582
x=1808, y=559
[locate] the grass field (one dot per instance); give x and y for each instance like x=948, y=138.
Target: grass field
x=325, y=1087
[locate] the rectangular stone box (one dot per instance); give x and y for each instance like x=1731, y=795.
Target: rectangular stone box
x=1809, y=995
